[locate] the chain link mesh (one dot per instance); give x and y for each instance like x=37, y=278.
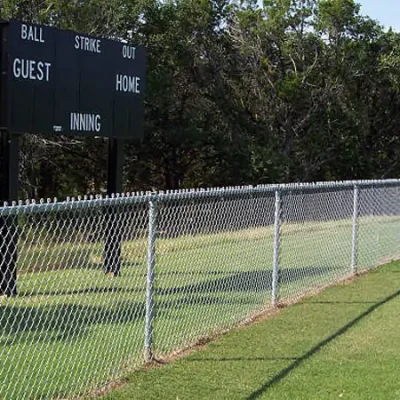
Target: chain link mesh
x=316, y=239
x=88, y=286
x=378, y=225
x=71, y=326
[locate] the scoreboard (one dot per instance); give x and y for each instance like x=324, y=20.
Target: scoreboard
x=60, y=82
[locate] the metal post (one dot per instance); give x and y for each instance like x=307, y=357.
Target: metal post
x=9, y=182
x=277, y=228
x=151, y=261
x=9, y=149
x=355, y=229
x=114, y=228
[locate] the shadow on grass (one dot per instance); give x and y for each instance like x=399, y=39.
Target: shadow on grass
x=189, y=273
x=249, y=281
x=49, y=323
x=90, y=290
x=59, y=322
x=338, y=302
x=312, y=352
x=240, y=359
x=241, y=281
x=76, y=260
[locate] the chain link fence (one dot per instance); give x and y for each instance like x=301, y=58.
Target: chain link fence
x=93, y=288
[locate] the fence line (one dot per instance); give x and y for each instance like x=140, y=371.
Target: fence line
x=93, y=287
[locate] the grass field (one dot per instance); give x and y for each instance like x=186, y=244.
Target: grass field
x=72, y=328
x=340, y=344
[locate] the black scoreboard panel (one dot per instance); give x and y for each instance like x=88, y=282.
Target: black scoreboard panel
x=65, y=83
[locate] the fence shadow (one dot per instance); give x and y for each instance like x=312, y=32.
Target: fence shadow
x=241, y=359
x=313, y=351
x=248, y=281
x=83, y=291
x=240, y=281
x=340, y=302
x=61, y=322
x=50, y=323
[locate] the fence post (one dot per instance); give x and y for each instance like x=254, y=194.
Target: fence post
x=355, y=229
x=277, y=228
x=151, y=261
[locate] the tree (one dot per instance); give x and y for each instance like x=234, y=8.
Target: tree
x=237, y=93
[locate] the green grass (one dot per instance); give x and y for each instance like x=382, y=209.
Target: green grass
x=72, y=328
x=341, y=344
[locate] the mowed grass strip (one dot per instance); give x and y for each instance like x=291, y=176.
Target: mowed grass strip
x=340, y=344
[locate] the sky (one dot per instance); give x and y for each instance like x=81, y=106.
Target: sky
x=386, y=12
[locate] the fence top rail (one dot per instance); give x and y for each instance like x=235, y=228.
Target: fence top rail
x=32, y=206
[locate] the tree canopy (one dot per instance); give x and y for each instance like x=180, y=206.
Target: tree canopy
x=238, y=93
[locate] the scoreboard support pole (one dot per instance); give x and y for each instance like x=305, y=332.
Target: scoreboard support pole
x=114, y=228
x=9, y=148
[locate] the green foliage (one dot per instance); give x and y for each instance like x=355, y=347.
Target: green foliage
x=237, y=94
